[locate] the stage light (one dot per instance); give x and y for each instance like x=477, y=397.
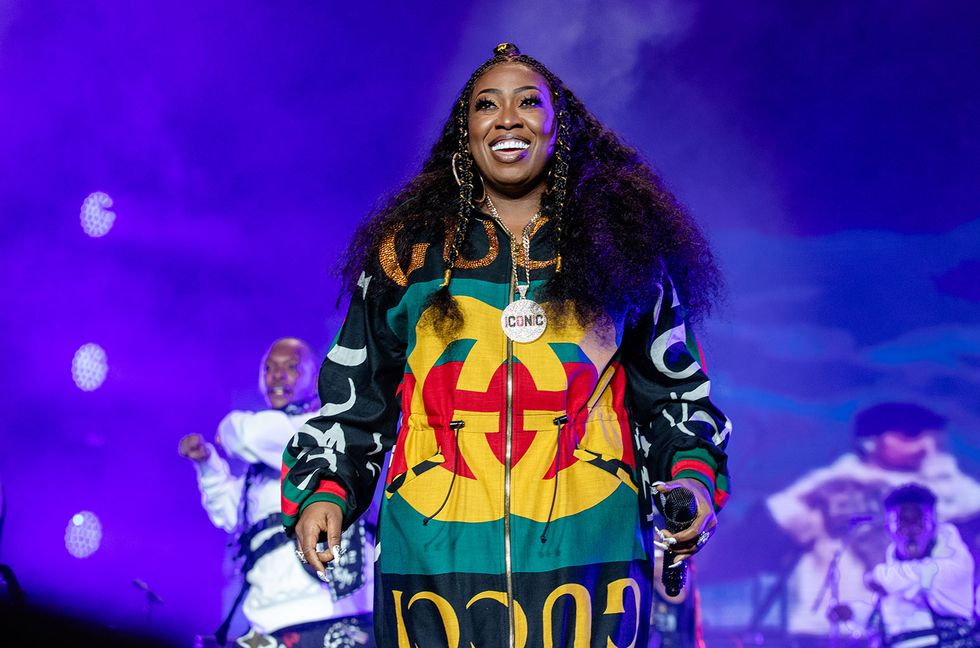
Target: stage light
x=89, y=367
x=96, y=219
x=83, y=534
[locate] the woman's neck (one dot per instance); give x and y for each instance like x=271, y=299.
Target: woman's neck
x=516, y=212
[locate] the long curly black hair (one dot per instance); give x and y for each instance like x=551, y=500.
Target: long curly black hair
x=606, y=204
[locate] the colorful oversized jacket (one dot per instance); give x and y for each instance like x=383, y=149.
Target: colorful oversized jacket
x=519, y=477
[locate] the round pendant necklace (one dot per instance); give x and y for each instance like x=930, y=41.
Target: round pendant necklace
x=523, y=320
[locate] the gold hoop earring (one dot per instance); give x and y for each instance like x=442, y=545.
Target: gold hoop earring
x=482, y=198
x=452, y=164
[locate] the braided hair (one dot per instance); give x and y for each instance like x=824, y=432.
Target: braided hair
x=603, y=200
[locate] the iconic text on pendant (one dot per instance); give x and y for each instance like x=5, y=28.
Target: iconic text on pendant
x=523, y=320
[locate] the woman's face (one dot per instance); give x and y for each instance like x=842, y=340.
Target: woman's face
x=512, y=128
x=912, y=528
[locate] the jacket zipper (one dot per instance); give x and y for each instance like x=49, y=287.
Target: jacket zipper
x=508, y=562
x=508, y=454
x=509, y=441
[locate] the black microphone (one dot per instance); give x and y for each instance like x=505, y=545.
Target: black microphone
x=679, y=509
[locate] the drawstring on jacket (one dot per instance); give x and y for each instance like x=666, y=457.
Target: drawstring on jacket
x=455, y=426
x=559, y=422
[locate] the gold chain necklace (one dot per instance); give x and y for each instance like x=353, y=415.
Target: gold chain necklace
x=523, y=320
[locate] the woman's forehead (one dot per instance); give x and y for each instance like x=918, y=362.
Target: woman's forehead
x=507, y=76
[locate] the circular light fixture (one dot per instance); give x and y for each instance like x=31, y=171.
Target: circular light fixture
x=96, y=219
x=83, y=535
x=89, y=367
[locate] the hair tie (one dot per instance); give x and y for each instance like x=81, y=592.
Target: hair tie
x=508, y=50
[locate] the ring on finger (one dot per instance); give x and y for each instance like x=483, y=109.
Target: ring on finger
x=302, y=557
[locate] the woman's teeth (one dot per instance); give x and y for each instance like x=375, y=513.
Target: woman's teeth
x=510, y=145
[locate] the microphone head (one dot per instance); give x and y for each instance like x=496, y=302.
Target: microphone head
x=679, y=508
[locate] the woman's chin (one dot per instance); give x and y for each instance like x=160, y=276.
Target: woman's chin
x=514, y=185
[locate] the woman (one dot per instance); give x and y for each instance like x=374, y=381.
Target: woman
x=513, y=303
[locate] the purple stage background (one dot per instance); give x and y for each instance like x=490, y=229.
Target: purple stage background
x=831, y=151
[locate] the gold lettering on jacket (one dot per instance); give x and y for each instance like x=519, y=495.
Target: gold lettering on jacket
x=449, y=621
x=388, y=258
x=493, y=249
x=581, y=599
x=616, y=604
x=400, y=621
x=388, y=255
x=520, y=619
x=533, y=264
x=583, y=614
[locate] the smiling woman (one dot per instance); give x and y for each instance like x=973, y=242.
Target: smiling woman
x=516, y=338
x=512, y=135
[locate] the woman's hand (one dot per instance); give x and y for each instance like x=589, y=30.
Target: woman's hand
x=194, y=448
x=319, y=519
x=688, y=542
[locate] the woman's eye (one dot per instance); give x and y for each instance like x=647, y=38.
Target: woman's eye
x=483, y=104
x=531, y=101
